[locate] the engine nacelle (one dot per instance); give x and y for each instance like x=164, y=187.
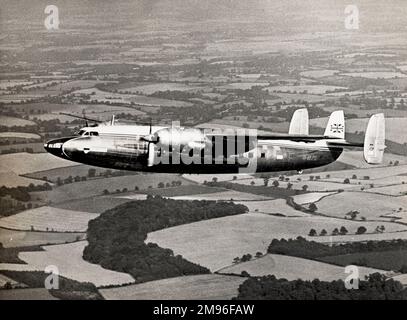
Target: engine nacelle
x=180, y=137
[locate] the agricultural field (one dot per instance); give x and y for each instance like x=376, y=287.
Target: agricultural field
x=395, y=190
x=68, y=258
x=229, y=195
x=293, y=268
x=197, y=287
x=11, y=122
x=26, y=294
x=182, y=191
x=96, y=187
x=319, y=73
x=215, y=243
x=96, y=204
x=12, y=180
x=313, y=186
x=311, y=197
x=37, y=147
x=277, y=207
x=355, y=158
x=64, y=172
x=20, y=135
x=104, y=97
x=308, y=89
x=9, y=84
x=242, y=85
x=4, y=280
x=375, y=74
x=201, y=178
x=24, y=163
x=385, y=260
x=148, y=89
x=99, y=112
x=48, y=219
x=14, y=238
x=373, y=173
x=371, y=206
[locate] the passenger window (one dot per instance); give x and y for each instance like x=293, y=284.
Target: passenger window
x=93, y=133
x=86, y=134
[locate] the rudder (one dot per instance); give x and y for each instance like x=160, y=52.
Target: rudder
x=336, y=125
x=299, y=122
x=374, y=144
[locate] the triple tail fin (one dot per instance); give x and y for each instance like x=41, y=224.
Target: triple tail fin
x=299, y=122
x=336, y=125
x=374, y=144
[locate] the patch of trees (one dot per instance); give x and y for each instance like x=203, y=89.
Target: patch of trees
x=375, y=287
x=300, y=247
x=10, y=255
x=116, y=238
x=22, y=193
x=68, y=289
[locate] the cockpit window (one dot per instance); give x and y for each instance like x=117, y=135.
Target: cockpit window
x=86, y=133
x=81, y=132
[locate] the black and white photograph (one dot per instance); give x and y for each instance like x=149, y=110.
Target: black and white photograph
x=226, y=150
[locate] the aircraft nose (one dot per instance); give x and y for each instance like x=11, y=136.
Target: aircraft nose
x=55, y=146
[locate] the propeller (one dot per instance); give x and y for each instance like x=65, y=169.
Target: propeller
x=81, y=117
x=150, y=147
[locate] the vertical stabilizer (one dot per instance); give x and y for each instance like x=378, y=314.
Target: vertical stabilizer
x=374, y=146
x=299, y=122
x=336, y=125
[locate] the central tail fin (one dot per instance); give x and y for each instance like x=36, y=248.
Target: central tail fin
x=336, y=125
x=299, y=122
x=374, y=146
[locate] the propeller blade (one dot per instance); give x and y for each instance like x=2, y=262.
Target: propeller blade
x=151, y=154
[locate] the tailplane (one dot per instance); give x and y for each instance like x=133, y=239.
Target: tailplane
x=336, y=125
x=374, y=144
x=299, y=122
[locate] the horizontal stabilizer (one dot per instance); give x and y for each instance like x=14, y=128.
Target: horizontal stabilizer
x=344, y=144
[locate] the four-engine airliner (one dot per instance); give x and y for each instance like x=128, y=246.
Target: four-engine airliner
x=178, y=149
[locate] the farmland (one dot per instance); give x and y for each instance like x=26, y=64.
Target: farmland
x=11, y=122
x=23, y=163
x=68, y=258
x=293, y=268
x=224, y=65
x=370, y=206
x=385, y=260
x=95, y=187
x=14, y=238
x=109, y=97
x=148, y=89
x=20, y=135
x=277, y=207
x=197, y=287
x=310, y=89
x=48, y=219
x=215, y=243
x=26, y=294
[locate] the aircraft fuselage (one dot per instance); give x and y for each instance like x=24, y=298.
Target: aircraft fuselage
x=130, y=152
